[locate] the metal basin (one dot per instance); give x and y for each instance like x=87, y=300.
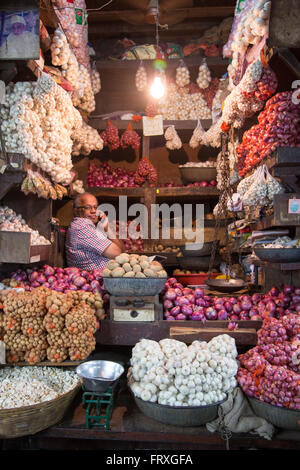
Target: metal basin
x=278, y=255
x=178, y=415
x=223, y=285
x=193, y=174
x=124, y=286
x=279, y=417
x=98, y=376
x=195, y=249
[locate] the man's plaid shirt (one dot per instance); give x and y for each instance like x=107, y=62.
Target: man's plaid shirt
x=85, y=245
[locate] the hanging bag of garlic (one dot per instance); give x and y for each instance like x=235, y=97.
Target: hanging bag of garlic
x=141, y=78
x=257, y=193
x=197, y=136
x=182, y=75
x=173, y=141
x=204, y=75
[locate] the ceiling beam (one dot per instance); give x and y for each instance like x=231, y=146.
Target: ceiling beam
x=196, y=12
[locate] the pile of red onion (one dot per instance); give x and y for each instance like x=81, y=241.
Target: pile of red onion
x=106, y=177
x=184, y=303
x=278, y=126
x=145, y=172
x=60, y=279
x=270, y=372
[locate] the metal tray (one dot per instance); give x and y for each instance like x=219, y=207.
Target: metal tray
x=278, y=255
x=193, y=174
x=196, y=250
x=222, y=285
x=199, y=262
x=178, y=415
x=279, y=417
x=124, y=286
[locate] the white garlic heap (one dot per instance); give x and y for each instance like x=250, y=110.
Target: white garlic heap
x=141, y=78
x=70, y=71
x=85, y=139
x=173, y=140
x=77, y=186
x=38, y=119
x=60, y=50
x=171, y=373
x=179, y=104
x=204, y=75
x=96, y=81
x=11, y=222
x=250, y=27
x=182, y=75
x=85, y=99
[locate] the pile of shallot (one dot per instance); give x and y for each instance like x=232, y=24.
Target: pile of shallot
x=270, y=372
x=185, y=303
x=278, y=126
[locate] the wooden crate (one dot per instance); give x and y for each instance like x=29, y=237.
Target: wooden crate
x=15, y=247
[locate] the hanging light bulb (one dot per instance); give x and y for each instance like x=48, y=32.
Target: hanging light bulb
x=157, y=88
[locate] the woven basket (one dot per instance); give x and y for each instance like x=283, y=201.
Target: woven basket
x=28, y=420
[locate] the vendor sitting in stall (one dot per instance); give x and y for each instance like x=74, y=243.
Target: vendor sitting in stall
x=87, y=247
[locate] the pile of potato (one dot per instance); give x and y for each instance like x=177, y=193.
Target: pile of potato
x=133, y=265
x=45, y=324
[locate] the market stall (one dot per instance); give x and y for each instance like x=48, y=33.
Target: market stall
x=188, y=138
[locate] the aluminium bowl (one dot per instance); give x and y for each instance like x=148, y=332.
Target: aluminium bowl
x=196, y=174
x=198, y=262
x=197, y=249
x=278, y=255
x=126, y=286
x=178, y=415
x=98, y=376
x=278, y=416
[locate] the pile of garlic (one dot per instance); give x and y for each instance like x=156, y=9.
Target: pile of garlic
x=171, y=373
x=182, y=75
x=259, y=189
x=179, y=104
x=173, y=140
x=11, y=222
x=204, y=76
x=60, y=50
x=141, y=78
x=38, y=119
x=85, y=139
x=95, y=81
x=250, y=27
x=77, y=187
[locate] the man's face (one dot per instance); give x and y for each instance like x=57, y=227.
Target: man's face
x=87, y=208
x=18, y=28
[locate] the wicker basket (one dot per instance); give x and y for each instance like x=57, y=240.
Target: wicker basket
x=28, y=420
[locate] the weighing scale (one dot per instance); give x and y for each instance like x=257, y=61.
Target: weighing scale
x=135, y=309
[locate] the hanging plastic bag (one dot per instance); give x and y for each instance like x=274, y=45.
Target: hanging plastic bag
x=182, y=75
x=141, y=78
x=173, y=141
x=257, y=193
x=204, y=75
x=273, y=186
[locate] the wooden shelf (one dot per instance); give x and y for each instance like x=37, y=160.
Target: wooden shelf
x=98, y=123
x=192, y=61
x=129, y=333
x=278, y=266
x=159, y=192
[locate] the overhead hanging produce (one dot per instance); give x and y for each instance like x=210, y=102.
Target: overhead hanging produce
x=130, y=138
x=182, y=75
x=204, y=75
x=173, y=141
x=141, y=78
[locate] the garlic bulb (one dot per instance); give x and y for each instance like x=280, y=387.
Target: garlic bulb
x=78, y=186
x=60, y=50
x=85, y=139
x=96, y=81
x=173, y=141
x=204, y=76
x=182, y=75
x=11, y=222
x=141, y=78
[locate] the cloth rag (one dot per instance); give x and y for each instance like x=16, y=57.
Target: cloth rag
x=236, y=415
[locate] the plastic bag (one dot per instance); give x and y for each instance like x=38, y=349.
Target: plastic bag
x=173, y=141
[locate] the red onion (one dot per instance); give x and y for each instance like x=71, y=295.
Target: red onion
x=171, y=294
x=175, y=310
x=180, y=316
x=198, y=293
x=168, y=304
x=187, y=309
x=211, y=314
x=222, y=315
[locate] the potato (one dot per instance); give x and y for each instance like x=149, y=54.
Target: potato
x=155, y=266
x=149, y=273
x=127, y=267
x=144, y=258
x=134, y=261
x=112, y=264
x=137, y=268
x=118, y=272
x=144, y=264
x=162, y=273
x=106, y=272
x=122, y=258
x=140, y=275
x=129, y=274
